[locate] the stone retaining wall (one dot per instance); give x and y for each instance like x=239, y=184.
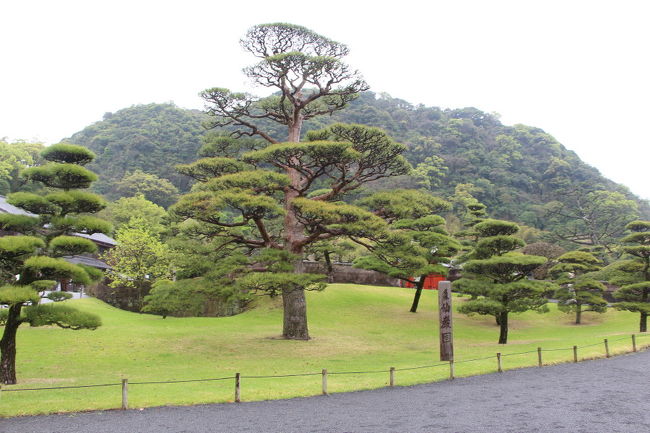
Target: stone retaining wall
x=345, y=273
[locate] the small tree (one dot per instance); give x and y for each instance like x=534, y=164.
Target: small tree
x=205, y=276
x=578, y=293
x=475, y=213
x=634, y=275
x=138, y=260
x=417, y=243
x=35, y=256
x=169, y=299
x=498, y=276
x=121, y=211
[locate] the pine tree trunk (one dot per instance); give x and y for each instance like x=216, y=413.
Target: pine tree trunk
x=330, y=268
x=418, y=293
x=578, y=314
x=503, y=323
x=295, y=314
x=643, y=322
x=293, y=300
x=8, y=346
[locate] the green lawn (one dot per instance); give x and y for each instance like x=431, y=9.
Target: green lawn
x=354, y=328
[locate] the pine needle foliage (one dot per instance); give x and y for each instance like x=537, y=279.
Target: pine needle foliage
x=497, y=277
x=578, y=292
x=30, y=260
x=634, y=294
x=256, y=190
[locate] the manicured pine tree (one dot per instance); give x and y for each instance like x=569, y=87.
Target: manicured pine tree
x=31, y=258
x=475, y=213
x=417, y=243
x=261, y=198
x=499, y=276
x=634, y=275
x=578, y=292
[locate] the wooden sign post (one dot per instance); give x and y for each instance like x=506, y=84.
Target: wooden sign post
x=444, y=312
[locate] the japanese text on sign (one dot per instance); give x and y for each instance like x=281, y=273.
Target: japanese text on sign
x=444, y=311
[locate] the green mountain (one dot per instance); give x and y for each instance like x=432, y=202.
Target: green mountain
x=152, y=138
x=514, y=169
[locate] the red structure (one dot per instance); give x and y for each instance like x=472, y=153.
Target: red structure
x=430, y=282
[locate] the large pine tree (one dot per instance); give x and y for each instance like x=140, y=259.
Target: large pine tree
x=285, y=195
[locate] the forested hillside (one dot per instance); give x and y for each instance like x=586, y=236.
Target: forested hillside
x=513, y=167
x=515, y=170
x=152, y=138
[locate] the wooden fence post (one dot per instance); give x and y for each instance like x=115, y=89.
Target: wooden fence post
x=499, y=369
x=125, y=393
x=237, y=387
x=539, y=356
x=633, y=343
x=324, y=372
x=575, y=353
x=392, y=376
x=451, y=370
x=606, y=349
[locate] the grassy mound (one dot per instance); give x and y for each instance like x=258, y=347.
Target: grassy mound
x=354, y=328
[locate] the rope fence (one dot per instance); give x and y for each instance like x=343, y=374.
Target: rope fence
x=183, y=381
x=324, y=373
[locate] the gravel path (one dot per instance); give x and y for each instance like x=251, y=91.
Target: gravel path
x=608, y=395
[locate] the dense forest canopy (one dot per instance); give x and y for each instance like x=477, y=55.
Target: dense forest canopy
x=152, y=138
x=515, y=170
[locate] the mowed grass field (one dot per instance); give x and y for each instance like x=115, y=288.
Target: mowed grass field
x=353, y=328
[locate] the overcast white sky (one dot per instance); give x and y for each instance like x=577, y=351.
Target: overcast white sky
x=578, y=69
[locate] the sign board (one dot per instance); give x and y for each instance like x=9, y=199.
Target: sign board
x=444, y=312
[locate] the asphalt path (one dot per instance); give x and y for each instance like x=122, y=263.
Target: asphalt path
x=607, y=395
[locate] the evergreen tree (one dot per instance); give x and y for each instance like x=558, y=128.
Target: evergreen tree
x=35, y=253
x=578, y=292
x=215, y=293
x=417, y=243
x=593, y=219
x=634, y=275
x=499, y=276
x=474, y=213
x=261, y=199
x=206, y=274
